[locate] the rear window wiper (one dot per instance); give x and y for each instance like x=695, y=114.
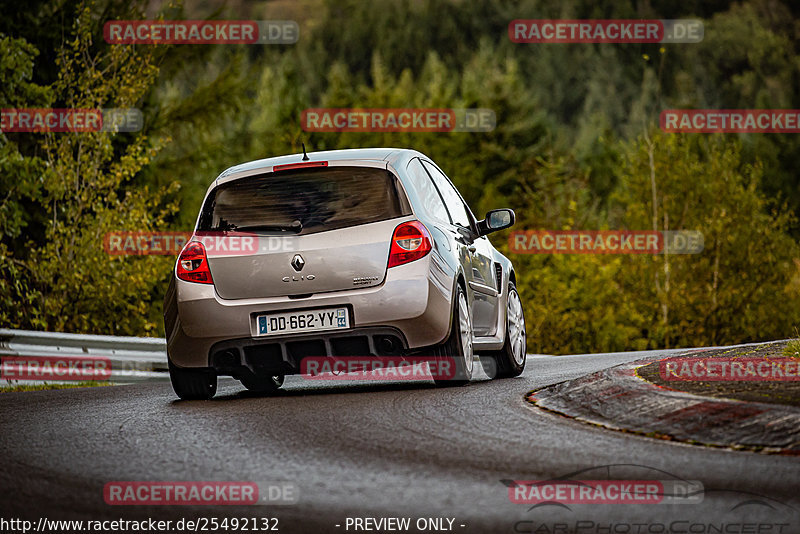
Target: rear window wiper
x=295, y=227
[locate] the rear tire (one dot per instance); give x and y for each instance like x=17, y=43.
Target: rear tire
x=262, y=383
x=455, y=357
x=192, y=383
x=509, y=361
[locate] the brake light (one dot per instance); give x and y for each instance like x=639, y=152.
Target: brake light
x=411, y=241
x=193, y=264
x=288, y=166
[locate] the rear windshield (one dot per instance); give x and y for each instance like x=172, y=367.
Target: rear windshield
x=305, y=201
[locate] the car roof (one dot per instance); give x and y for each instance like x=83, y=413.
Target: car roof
x=392, y=156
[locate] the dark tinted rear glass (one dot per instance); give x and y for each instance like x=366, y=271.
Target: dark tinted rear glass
x=304, y=201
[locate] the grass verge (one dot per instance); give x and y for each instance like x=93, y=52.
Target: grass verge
x=772, y=392
x=13, y=388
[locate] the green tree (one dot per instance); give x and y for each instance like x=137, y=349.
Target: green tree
x=19, y=176
x=64, y=280
x=739, y=288
x=573, y=303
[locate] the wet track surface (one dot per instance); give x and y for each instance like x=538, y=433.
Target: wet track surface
x=374, y=450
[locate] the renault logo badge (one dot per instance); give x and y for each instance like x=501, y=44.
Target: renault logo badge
x=298, y=262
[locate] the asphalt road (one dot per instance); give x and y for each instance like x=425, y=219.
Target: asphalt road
x=374, y=450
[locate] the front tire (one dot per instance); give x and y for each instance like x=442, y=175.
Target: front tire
x=192, y=383
x=509, y=361
x=455, y=357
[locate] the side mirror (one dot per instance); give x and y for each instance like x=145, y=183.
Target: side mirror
x=496, y=220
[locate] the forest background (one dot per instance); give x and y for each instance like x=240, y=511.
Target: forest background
x=576, y=146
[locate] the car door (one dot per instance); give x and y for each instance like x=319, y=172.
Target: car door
x=479, y=268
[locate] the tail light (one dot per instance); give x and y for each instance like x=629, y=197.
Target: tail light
x=193, y=264
x=411, y=241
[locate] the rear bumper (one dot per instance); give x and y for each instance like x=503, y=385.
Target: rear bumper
x=283, y=356
x=412, y=304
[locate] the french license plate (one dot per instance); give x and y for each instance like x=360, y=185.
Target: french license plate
x=303, y=321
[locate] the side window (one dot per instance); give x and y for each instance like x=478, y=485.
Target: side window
x=427, y=193
x=455, y=205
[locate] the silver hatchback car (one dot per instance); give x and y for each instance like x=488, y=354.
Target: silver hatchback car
x=367, y=252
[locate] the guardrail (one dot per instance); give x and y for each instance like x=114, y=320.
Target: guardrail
x=130, y=359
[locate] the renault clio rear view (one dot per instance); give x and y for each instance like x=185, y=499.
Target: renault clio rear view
x=369, y=253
